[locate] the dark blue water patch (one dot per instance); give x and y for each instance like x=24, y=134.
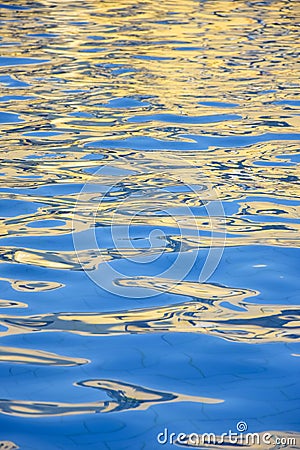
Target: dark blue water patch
x=57, y=244
x=46, y=223
x=271, y=221
x=195, y=372
x=46, y=156
x=220, y=104
x=96, y=38
x=93, y=157
x=242, y=141
x=92, y=170
x=144, y=143
x=172, y=118
x=270, y=270
x=295, y=158
x=125, y=103
x=6, y=117
x=189, y=49
x=9, y=98
x=93, y=50
x=12, y=82
x=89, y=123
x=232, y=307
x=138, y=234
x=232, y=207
x=75, y=91
x=4, y=61
x=28, y=372
x=82, y=114
x=30, y=177
x=163, y=261
x=201, y=142
x=257, y=198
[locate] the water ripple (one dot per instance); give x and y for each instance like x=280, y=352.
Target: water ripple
x=135, y=135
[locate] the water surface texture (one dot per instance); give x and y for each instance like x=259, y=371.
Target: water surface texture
x=149, y=222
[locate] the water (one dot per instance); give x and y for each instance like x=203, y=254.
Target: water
x=149, y=222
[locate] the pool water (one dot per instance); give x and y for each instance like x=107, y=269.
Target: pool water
x=149, y=223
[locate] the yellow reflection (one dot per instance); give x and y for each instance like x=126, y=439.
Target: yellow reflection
x=12, y=304
x=170, y=94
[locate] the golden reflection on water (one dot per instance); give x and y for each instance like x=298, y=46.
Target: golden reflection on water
x=8, y=445
x=213, y=310
x=124, y=396
x=31, y=356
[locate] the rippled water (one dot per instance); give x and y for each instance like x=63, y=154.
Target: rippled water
x=149, y=221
